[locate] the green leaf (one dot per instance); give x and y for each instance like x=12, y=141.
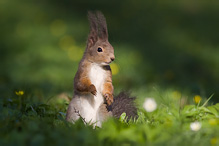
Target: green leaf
x=188, y=109
x=122, y=117
x=213, y=110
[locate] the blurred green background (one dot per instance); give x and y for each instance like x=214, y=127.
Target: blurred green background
x=170, y=44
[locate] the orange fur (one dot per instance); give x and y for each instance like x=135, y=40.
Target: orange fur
x=108, y=91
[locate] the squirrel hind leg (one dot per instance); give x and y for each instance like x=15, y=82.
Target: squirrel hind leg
x=72, y=114
x=123, y=103
x=103, y=113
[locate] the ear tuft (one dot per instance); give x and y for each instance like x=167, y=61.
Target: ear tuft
x=98, y=28
x=103, y=32
x=93, y=35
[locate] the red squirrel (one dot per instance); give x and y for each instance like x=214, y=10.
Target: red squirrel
x=93, y=99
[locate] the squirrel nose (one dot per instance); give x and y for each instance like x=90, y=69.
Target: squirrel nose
x=112, y=58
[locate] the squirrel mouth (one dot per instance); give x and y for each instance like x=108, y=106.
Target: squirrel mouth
x=106, y=63
x=109, y=62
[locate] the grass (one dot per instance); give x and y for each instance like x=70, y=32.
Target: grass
x=27, y=121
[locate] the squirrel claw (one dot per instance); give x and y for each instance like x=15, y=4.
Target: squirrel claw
x=93, y=90
x=109, y=98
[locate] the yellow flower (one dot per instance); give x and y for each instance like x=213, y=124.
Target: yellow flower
x=214, y=141
x=212, y=122
x=115, y=68
x=197, y=99
x=19, y=93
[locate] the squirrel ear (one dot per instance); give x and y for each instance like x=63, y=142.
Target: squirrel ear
x=90, y=42
x=103, y=32
x=93, y=35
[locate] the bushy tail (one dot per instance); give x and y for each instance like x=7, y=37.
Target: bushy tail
x=123, y=103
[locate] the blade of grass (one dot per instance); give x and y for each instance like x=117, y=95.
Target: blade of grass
x=207, y=100
x=161, y=97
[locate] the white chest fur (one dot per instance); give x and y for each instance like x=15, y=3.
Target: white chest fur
x=97, y=76
x=90, y=103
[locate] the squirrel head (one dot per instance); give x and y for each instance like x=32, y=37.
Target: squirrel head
x=98, y=50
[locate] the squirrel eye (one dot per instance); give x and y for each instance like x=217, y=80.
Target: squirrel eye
x=99, y=49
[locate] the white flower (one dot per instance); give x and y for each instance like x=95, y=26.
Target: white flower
x=150, y=104
x=195, y=126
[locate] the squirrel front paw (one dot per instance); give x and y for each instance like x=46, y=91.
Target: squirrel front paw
x=92, y=89
x=109, y=98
